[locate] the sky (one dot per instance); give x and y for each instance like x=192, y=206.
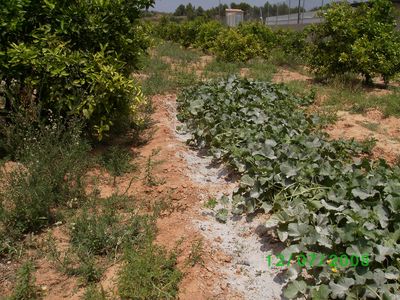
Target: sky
x=171, y=5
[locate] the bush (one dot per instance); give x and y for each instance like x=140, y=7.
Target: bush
x=189, y=32
x=73, y=57
x=168, y=30
x=264, y=36
x=232, y=46
x=207, y=34
x=359, y=40
x=292, y=43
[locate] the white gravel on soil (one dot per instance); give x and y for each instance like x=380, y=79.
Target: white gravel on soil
x=242, y=239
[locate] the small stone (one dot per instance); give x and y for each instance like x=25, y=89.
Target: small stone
x=228, y=259
x=244, y=263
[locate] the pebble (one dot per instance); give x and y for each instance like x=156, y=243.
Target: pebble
x=244, y=263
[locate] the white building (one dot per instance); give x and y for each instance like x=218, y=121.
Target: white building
x=233, y=16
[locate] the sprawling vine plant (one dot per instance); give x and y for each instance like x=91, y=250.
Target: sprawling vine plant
x=325, y=197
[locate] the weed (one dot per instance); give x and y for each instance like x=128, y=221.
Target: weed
x=370, y=125
x=116, y=160
x=94, y=293
x=101, y=232
x=157, y=73
x=87, y=268
x=74, y=262
x=149, y=274
x=211, y=203
x=156, y=83
x=25, y=288
x=282, y=59
x=259, y=70
x=150, y=179
x=51, y=164
x=184, y=78
x=196, y=253
x=177, y=53
x=218, y=68
x=368, y=145
x=95, y=232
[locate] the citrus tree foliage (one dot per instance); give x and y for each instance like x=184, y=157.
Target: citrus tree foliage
x=249, y=40
x=208, y=31
x=73, y=57
x=323, y=199
x=233, y=46
x=264, y=36
x=361, y=40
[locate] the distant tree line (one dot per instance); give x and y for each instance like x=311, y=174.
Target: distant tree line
x=251, y=12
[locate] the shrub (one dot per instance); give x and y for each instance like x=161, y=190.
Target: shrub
x=169, y=30
x=73, y=57
x=361, y=40
x=264, y=36
x=292, y=43
x=232, y=46
x=207, y=34
x=189, y=32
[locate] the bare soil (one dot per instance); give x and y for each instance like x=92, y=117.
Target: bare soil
x=386, y=132
x=284, y=75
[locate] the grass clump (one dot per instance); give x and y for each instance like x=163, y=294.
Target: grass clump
x=177, y=53
x=94, y=293
x=25, y=288
x=117, y=161
x=103, y=232
x=149, y=274
x=74, y=262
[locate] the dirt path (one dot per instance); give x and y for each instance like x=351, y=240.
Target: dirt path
x=233, y=254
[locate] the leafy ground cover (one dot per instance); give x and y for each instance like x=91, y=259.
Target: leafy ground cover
x=325, y=197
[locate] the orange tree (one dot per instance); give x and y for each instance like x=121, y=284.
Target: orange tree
x=73, y=57
x=361, y=40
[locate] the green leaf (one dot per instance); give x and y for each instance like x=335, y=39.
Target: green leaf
x=362, y=194
x=320, y=292
x=222, y=215
x=246, y=180
x=383, y=252
x=340, y=289
x=294, y=288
